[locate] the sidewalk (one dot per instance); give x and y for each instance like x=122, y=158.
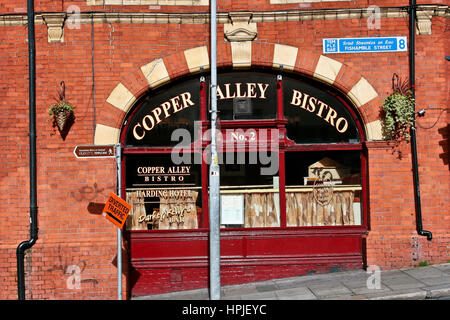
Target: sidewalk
x=430, y=282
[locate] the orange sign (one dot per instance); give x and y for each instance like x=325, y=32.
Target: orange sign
x=116, y=210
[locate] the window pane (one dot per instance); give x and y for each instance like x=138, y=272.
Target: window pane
x=315, y=116
x=246, y=96
x=249, y=194
x=323, y=188
x=163, y=195
x=163, y=111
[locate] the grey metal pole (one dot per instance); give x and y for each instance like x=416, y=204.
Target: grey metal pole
x=214, y=173
x=119, y=231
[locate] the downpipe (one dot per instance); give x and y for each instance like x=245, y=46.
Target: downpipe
x=412, y=77
x=27, y=244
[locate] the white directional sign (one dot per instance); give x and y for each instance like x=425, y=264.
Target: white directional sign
x=94, y=151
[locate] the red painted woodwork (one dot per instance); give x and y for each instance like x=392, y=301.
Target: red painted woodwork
x=282, y=189
x=279, y=99
x=244, y=252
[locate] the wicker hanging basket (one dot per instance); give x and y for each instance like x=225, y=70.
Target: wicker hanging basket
x=62, y=117
x=62, y=110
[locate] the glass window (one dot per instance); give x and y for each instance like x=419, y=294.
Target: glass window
x=163, y=111
x=249, y=194
x=246, y=96
x=323, y=188
x=314, y=115
x=162, y=195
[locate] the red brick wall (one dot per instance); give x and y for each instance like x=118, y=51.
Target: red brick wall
x=223, y=5
x=14, y=158
x=71, y=191
x=393, y=241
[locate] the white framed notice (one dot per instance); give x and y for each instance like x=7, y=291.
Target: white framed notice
x=231, y=209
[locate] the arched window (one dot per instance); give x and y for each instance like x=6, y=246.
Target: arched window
x=316, y=115
x=324, y=164
x=159, y=113
x=290, y=151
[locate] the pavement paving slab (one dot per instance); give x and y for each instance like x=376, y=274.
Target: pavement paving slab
x=443, y=267
x=400, y=280
x=329, y=289
x=436, y=280
x=364, y=290
x=238, y=290
x=266, y=287
x=424, y=272
x=295, y=294
x=355, y=282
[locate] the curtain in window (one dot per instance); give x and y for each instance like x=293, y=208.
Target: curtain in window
x=137, y=215
x=178, y=211
x=302, y=209
x=260, y=210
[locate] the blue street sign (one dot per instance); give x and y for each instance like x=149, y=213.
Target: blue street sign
x=360, y=45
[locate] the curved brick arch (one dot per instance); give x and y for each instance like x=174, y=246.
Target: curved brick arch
x=238, y=55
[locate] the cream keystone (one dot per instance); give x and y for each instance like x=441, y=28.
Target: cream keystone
x=241, y=54
x=374, y=130
x=155, y=72
x=327, y=69
x=285, y=56
x=196, y=58
x=121, y=98
x=105, y=135
x=362, y=92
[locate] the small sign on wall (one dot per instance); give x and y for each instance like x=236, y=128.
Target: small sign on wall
x=116, y=210
x=95, y=151
x=361, y=45
x=232, y=209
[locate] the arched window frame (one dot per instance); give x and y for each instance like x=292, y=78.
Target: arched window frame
x=278, y=122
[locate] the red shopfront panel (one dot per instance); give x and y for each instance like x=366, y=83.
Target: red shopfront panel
x=172, y=261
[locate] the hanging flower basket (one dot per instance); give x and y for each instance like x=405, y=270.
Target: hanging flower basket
x=399, y=115
x=398, y=110
x=61, y=112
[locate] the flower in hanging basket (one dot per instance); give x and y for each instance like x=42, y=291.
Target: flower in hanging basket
x=61, y=112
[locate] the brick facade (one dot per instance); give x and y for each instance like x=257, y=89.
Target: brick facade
x=94, y=59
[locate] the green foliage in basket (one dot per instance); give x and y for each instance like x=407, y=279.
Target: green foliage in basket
x=398, y=109
x=58, y=107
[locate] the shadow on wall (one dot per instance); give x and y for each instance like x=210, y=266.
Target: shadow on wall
x=95, y=208
x=445, y=144
x=65, y=131
x=127, y=269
